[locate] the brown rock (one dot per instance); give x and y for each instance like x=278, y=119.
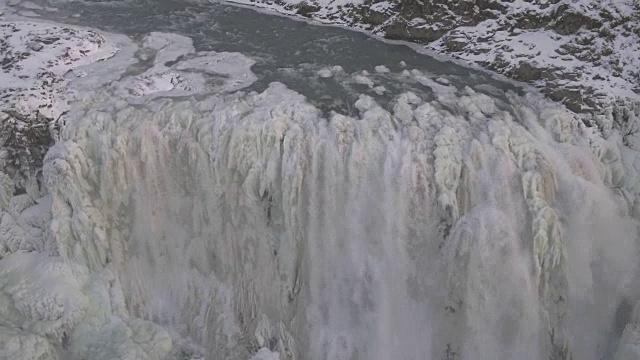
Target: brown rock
x=569, y=22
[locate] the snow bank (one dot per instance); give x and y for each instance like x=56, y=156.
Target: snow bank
x=34, y=90
x=37, y=57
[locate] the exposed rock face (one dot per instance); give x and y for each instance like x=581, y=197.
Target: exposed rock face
x=568, y=21
x=307, y=10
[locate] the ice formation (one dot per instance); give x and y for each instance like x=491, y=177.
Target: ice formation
x=382, y=69
x=52, y=308
x=256, y=227
x=327, y=73
x=251, y=219
x=581, y=52
x=196, y=73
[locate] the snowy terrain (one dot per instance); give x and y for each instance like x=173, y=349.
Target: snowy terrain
x=179, y=217
x=36, y=57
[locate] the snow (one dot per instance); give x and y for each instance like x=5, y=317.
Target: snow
x=381, y=69
x=23, y=224
x=363, y=79
x=329, y=11
x=327, y=8
x=48, y=301
x=38, y=62
x=34, y=79
x=26, y=222
x=630, y=349
x=380, y=90
x=443, y=81
x=265, y=354
x=540, y=49
x=381, y=6
x=417, y=21
x=325, y=73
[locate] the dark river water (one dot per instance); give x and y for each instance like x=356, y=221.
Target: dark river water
x=286, y=50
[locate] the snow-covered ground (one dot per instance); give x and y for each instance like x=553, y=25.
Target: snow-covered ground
x=37, y=56
x=38, y=59
x=586, y=55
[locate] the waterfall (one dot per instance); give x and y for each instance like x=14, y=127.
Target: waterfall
x=253, y=225
x=253, y=221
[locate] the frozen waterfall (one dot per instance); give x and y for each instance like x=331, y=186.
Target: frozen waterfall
x=246, y=225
